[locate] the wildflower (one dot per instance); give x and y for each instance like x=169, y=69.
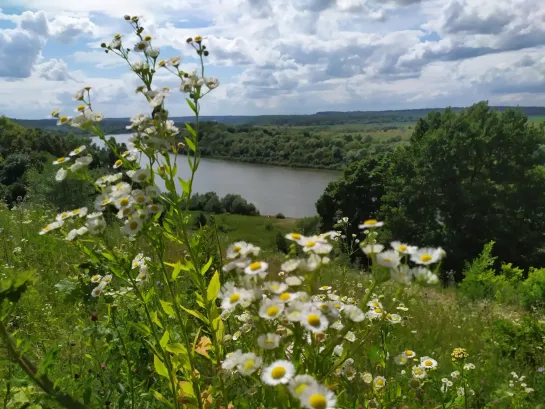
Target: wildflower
x=400, y=359
x=290, y=265
x=375, y=313
x=117, y=164
x=97, y=291
x=139, y=197
x=237, y=249
x=51, y=226
x=348, y=369
x=295, y=311
x=96, y=278
x=316, y=245
x=270, y=309
x=132, y=226
x=83, y=230
x=372, y=248
x=268, y=341
x=157, y=100
x=256, y=267
x=379, y=382
x=424, y=276
x=402, y=274
x=367, y=377
x=418, y=372
x=388, y=259
x=318, y=397
x=409, y=354
x=470, y=366
x=154, y=52
x=211, y=82
x=314, y=320
x=460, y=392
x=393, y=318
x=61, y=160
x=72, y=234
x=427, y=362
x=275, y=287
x=96, y=225
x=296, y=237
x=426, y=256
x=107, y=279
x=370, y=224
x=61, y=175
x=374, y=303
x=122, y=202
x=232, y=296
x=78, y=96
x=63, y=120
x=338, y=350
x=403, y=248
x=175, y=61
x=455, y=374
x=287, y=297
x=152, y=191
x=350, y=336
x=459, y=353
x=141, y=46
x=232, y=359
x=84, y=160
x=279, y=372
x=353, y=313
x=249, y=363
x=299, y=383
x=77, y=151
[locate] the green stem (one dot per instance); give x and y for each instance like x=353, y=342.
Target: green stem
x=126, y=352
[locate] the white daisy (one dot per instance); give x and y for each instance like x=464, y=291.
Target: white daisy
x=275, y=287
x=424, y=276
x=294, y=281
x=338, y=350
x=409, y=354
x=132, y=226
x=249, y=363
x=141, y=175
x=375, y=313
x=232, y=296
x=139, y=197
x=402, y=274
x=126, y=212
x=426, y=256
x=117, y=164
x=143, y=275
x=279, y=372
x=232, y=359
x=287, y=297
x=256, y=267
x=152, y=191
x=71, y=235
x=107, y=279
x=394, y=318
x=299, y=383
x=367, y=377
x=77, y=151
x=296, y=237
x=318, y=397
x=155, y=208
x=84, y=160
x=372, y=248
x=400, y=359
x=237, y=249
x=61, y=160
x=290, y=265
x=379, y=382
x=388, y=258
x=353, y=313
x=374, y=303
x=418, y=372
x=122, y=202
x=96, y=278
x=270, y=309
x=64, y=215
x=313, y=320
x=370, y=224
x=51, y=226
x=403, y=248
x=350, y=336
x=295, y=311
x=268, y=341
x=97, y=291
x=119, y=189
x=61, y=175
x=83, y=230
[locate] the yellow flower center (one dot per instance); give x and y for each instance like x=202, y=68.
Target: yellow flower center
x=274, y=287
x=154, y=208
x=124, y=202
x=60, y=160
x=249, y=364
x=300, y=388
x=105, y=201
x=95, y=278
x=234, y=298
x=409, y=353
x=65, y=214
x=370, y=221
x=81, y=108
x=317, y=401
x=387, y=259
x=147, y=38
x=285, y=296
x=380, y=382
x=255, y=266
x=64, y=119
x=337, y=306
x=133, y=225
x=272, y=311
x=295, y=236
x=140, y=199
x=236, y=249
x=278, y=372
x=324, y=307
x=311, y=244
x=425, y=258
x=118, y=162
x=314, y=320
x=402, y=247
x=142, y=276
x=378, y=310
x=142, y=176
x=428, y=363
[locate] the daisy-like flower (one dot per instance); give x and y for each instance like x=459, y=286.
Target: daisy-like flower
x=84, y=160
x=318, y=397
x=424, y=276
x=338, y=350
x=141, y=214
x=61, y=175
x=81, y=212
x=299, y=383
x=72, y=234
x=394, y=318
x=418, y=372
x=379, y=382
x=211, y=82
x=348, y=369
x=350, y=336
x=83, y=230
x=279, y=372
x=426, y=256
x=370, y=224
x=107, y=279
x=367, y=377
x=313, y=320
x=294, y=281
x=232, y=359
x=155, y=208
x=296, y=237
x=400, y=359
x=64, y=215
x=139, y=197
x=403, y=248
x=268, y=341
x=455, y=374
x=51, y=226
x=122, y=202
x=117, y=164
x=275, y=287
x=143, y=275
x=470, y=366
x=389, y=258
x=77, y=151
x=132, y=226
x=257, y=267
x=316, y=245
x=96, y=278
x=141, y=175
x=402, y=274
x=409, y=354
x=152, y=191
x=270, y=309
x=97, y=291
x=290, y=265
x=353, y=313
x=287, y=297
x=237, y=249
x=126, y=212
x=428, y=362
x=374, y=303
x=294, y=312
x=375, y=313
x=249, y=363
x=372, y=248
x=232, y=296
x=60, y=160
x=121, y=188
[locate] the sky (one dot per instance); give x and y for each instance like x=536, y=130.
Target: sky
x=278, y=56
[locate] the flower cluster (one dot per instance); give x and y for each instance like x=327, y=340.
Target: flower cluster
x=79, y=162
x=85, y=115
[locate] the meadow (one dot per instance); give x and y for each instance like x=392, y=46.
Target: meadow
x=126, y=298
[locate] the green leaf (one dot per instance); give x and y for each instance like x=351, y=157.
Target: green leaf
x=164, y=339
x=167, y=308
x=191, y=130
x=108, y=256
x=176, y=348
x=191, y=105
x=196, y=314
x=162, y=399
x=142, y=328
x=160, y=367
x=205, y=268
x=184, y=184
x=155, y=319
x=13, y=288
x=190, y=144
x=177, y=270
x=213, y=287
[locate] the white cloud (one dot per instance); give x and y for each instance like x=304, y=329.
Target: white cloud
x=53, y=70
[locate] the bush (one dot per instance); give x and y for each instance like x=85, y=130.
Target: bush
x=533, y=289
x=281, y=243
x=280, y=216
x=308, y=225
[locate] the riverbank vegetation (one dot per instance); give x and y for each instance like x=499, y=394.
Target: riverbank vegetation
x=133, y=302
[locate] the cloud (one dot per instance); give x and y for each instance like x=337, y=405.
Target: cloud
x=53, y=70
x=19, y=51
x=67, y=29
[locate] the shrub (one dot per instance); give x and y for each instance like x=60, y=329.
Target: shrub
x=280, y=216
x=281, y=243
x=308, y=225
x=533, y=289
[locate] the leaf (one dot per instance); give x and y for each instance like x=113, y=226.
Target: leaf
x=155, y=319
x=160, y=367
x=164, y=339
x=190, y=144
x=142, y=328
x=191, y=130
x=213, y=287
x=203, y=346
x=176, y=349
x=176, y=271
x=13, y=288
x=187, y=394
x=184, y=184
x=196, y=314
x=205, y=268
x=162, y=399
x=191, y=105
x=108, y=256
x=167, y=308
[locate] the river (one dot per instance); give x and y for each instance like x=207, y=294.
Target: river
x=272, y=189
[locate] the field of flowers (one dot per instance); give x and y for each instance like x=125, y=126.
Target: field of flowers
x=128, y=305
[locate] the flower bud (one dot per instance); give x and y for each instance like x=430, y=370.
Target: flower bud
x=127, y=17
x=103, y=45
x=135, y=19
x=94, y=316
x=147, y=38
x=206, y=53
x=198, y=39
x=189, y=40
x=181, y=145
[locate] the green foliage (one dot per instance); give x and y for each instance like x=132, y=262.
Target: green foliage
x=533, y=289
x=308, y=225
x=280, y=216
x=231, y=203
x=281, y=243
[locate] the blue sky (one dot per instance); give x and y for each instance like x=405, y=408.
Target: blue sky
x=279, y=56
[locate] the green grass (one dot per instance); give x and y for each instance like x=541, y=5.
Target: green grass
x=536, y=118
